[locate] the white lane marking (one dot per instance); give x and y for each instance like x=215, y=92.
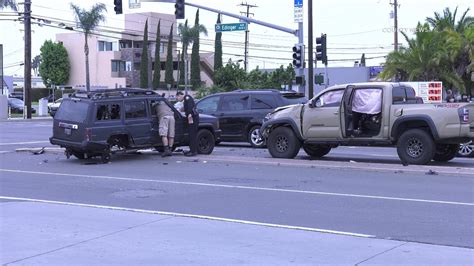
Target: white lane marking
x=4, y=152
x=190, y=216
x=241, y=187
x=22, y=143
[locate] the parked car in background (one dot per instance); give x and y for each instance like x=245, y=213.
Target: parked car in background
x=241, y=112
x=466, y=149
x=16, y=106
x=53, y=106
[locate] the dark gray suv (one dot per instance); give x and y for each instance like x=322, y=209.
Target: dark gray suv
x=100, y=123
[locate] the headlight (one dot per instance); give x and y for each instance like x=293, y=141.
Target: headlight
x=267, y=117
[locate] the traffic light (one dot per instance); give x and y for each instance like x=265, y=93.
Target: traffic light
x=321, y=49
x=118, y=7
x=298, y=55
x=179, y=9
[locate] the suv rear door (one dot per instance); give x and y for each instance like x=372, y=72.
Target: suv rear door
x=137, y=123
x=70, y=121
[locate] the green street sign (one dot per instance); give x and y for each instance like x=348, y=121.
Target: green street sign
x=231, y=27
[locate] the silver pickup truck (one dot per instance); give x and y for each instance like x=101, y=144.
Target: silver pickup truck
x=370, y=114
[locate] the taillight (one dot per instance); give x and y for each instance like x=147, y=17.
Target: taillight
x=88, y=134
x=464, y=115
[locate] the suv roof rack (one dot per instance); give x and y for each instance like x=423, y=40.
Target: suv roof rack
x=124, y=92
x=255, y=90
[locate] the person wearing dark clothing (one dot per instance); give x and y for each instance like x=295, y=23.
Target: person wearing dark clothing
x=193, y=121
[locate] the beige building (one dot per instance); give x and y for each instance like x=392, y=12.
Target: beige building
x=115, y=62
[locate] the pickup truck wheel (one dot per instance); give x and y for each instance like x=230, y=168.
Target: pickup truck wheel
x=205, y=141
x=283, y=143
x=446, y=153
x=316, y=151
x=416, y=146
x=254, y=137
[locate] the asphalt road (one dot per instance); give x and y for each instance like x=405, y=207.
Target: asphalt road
x=353, y=190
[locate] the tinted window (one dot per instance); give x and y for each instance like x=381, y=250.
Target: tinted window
x=135, y=109
x=108, y=112
x=398, y=95
x=208, y=105
x=332, y=98
x=263, y=101
x=234, y=103
x=74, y=111
x=410, y=92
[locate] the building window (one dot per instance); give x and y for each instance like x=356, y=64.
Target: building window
x=128, y=66
x=118, y=66
x=105, y=46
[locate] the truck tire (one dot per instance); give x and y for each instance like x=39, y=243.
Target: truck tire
x=416, y=146
x=316, y=151
x=466, y=149
x=446, y=152
x=206, y=141
x=254, y=137
x=283, y=143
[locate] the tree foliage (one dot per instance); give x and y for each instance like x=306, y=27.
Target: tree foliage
x=169, y=59
x=35, y=63
x=218, y=47
x=232, y=76
x=440, y=50
x=54, y=67
x=88, y=21
x=156, y=72
x=8, y=4
x=144, y=59
x=195, y=57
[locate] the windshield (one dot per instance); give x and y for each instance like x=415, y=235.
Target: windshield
x=71, y=110
x=295, y=100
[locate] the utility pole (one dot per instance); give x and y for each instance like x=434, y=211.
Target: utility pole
x=27, y=72
x=247, y=14
x=395, y=24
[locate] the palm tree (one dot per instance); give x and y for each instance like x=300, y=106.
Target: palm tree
x=455, y=31
x=427, y=57
x=88, y=21
x=447, y=21
x=8, y=4
x=188, y=36
x=35, y=63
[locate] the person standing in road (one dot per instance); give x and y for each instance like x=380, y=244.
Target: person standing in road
x=193, y=121
x=166, y=127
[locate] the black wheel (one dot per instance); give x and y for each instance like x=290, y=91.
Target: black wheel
x=206, y=141
x=466, y=149
x=283, y=143
x=254, y=137
x=446, y=152
x=317, y=151
x=105, y=156
x=78, y=155
x=416, y=146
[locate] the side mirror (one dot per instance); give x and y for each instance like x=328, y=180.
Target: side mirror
x=317, y=102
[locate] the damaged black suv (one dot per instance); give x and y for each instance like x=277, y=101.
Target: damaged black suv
x=100, y=123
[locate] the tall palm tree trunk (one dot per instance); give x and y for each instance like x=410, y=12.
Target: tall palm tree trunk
x=86, y=51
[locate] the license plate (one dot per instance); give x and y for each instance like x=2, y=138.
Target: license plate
x=67, y=131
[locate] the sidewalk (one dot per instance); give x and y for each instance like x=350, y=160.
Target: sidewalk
x=21, y=119
x=49, y=234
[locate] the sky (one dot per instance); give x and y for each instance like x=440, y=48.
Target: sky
x=353, y=27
